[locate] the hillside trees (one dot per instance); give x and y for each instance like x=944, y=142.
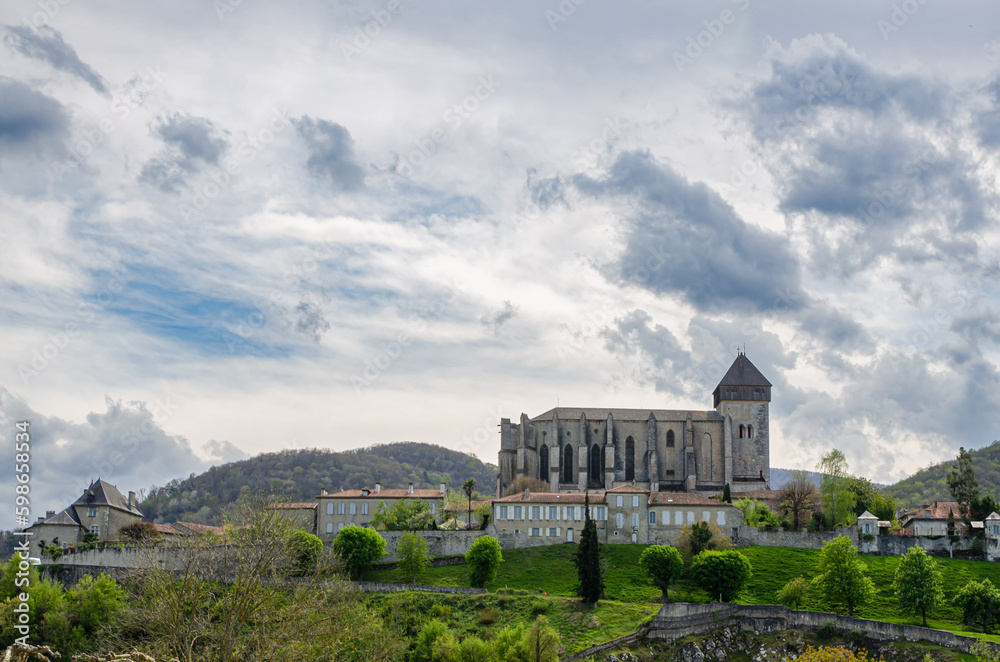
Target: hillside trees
x=413, y=555
x=843, y=577
x=918, y=583
x=358, y=549
x=838, y=499
x=698, y=537
x=963, y=486
x=484, y=558
x=663, y=564
x=403, y=515
x=588, y=560
x=798, y=499
x=722, y=574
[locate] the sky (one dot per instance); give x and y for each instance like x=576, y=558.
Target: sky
x=230, y=227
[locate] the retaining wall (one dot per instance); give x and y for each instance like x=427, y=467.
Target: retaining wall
x=681, y=619
x=378, y=587
x=439, y=543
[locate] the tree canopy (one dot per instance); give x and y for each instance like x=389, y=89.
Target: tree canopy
x=843, y=577
x=722, y=574
x=663, y=564
x=918, y=583
x=358, y=549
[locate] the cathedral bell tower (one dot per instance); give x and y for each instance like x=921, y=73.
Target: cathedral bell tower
x=742, y=397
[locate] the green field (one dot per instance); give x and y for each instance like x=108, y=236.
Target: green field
x=551, y=569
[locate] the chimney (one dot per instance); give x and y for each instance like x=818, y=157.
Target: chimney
x=131, y=500
x=50, y=513
x=378, y=488
x=40, y=519
x=410, y=491
x=442, y=489
x=527, y=494
x=323, y=492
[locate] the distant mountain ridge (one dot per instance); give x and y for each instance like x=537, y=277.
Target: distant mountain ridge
x=928, y=485
x=299, y=475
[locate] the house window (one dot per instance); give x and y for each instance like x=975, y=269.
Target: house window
x=329, y=527
x=652, y=517
x=670, y=438
x=635, y=520
x=553, y=533
x=503, y=512
x=619, y=520
x=536, y=532
x=868, y=528
x=635, y=502
x=340, y=527
x=619, y=501
x=433, y=508
x=517, y=513
x=705, y=516
x=721, y=518
x=553, y=512
x=570, y=512
x=354, y=508
x=536, y=512
x=678, y=517
x=329, y=508
x=690, y=517
x=996, y=530
x=96, y=530
x=92, y=512
x=364, y=508
x=602, y=513
x=340, y=508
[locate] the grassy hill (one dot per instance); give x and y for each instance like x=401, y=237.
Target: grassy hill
x=299, y=475
x=928, y=485
x=550, y=568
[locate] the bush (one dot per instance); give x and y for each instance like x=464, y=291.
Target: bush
x=424, y=649
x=484, y=559
x=136, y=532
x=663, y=564
x=828, y=631
x=488, y=615
x=794, y=593
x=722, y=574
x=539, y=606
x=304, y=549
x=413, y=555
x=358, y=549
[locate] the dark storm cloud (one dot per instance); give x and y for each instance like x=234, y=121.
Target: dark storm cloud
x=683, y=237
x=28, y=117
x=331, y=153
x=652, y=351
x=869, y=163
x=310, y=320
x=47, y=44
x=192, y=143
x=125, y=445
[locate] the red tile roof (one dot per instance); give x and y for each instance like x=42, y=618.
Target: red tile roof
x=938, y=510
x=551, y=497
x=683, y=499
x=301, y=505
x=169, y=530
x=198, y=528
x=386, y=494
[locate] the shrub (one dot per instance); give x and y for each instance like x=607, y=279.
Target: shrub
x=722, y=574
x=358, y=549
x=304, y=549
x=440, y=611
x=488, y=615
x=484, y=558
x=135, y=532
x=413, y=555
x=828, y=631
x=794, y=593
x=539, y=606
x=424, y=649
x=663, y=564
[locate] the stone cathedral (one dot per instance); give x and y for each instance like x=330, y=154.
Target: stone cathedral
x=666, y=450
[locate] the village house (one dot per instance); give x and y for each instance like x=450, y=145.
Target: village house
x=356, y=507
x=101, y=510
x=931, y=519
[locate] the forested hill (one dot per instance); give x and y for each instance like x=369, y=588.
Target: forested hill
x=299, y=475
x=928, y=485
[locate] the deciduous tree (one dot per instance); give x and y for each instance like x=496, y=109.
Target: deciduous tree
x=798, y=497
x=843, y=577
x=838, y=499
x=484, y=558
x=663, y=564
x=722, y=574
x=358, y=548
x=794, y=593
x=540, y=643
x=918, y=583
x=980, y=604
x=412, y=554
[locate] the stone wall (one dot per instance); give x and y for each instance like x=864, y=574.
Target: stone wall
x=750, y=535
x=682, y=619
x=899, y=545
x=439, y=543
x=164, y=556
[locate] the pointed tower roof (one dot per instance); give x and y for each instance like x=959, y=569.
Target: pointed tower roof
x=103, y=493
x=743, y=373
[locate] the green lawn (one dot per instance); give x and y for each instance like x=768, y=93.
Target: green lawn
x=551, y=569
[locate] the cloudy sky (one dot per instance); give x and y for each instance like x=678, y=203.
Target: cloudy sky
x=236, y=226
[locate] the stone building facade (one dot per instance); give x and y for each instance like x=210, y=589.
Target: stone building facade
x=336, y=510
x=669, y=450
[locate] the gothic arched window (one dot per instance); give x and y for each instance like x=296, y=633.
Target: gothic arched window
x=543, y=464
x=749, y=432
x=595, y=463
x=670, y=438
x=742, y=430
x=630, y=459
x=568, y=464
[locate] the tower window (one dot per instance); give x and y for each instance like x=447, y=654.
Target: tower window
x=750, y=432
x=742, y=431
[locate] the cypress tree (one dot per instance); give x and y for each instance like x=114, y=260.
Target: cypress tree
x=588, y=559
x=727, y=494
